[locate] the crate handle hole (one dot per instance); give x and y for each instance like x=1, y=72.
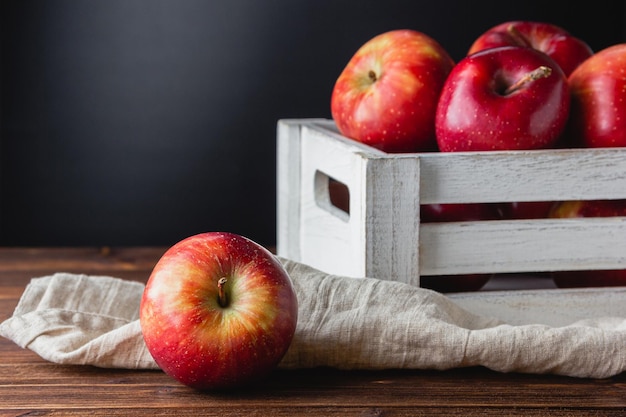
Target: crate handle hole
x=332, y=195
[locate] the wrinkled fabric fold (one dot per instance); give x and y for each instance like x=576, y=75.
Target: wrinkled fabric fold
x=345, y=323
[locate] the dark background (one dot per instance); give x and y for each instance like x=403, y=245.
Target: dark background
x=141, y=122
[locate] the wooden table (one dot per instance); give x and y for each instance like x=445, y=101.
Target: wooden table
x=31, y=386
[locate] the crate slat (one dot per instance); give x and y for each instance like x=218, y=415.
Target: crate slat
x=523, y=246
x=513, y=176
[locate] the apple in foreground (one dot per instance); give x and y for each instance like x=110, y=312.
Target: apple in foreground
x=219, y=311
x=598, y=90
x=566, y=49
x=589, y=278
x=387, y=94
x=507, y=98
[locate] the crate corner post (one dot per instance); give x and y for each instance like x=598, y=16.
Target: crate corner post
x=288, y=188
x=393, y=218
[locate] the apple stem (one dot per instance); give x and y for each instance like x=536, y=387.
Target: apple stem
x=537, y=73
x=372, y=76
x=221, y=292
x=518, y=37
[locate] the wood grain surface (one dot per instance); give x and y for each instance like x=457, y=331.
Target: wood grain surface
x=31, y=386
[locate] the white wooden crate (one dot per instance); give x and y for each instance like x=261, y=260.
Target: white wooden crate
x=382, y=236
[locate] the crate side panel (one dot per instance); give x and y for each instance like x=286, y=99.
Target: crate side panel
x=330, y=241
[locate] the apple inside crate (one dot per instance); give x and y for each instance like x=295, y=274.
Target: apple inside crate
x=381, y=235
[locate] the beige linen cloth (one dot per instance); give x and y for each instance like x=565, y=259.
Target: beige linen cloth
x=351, y=323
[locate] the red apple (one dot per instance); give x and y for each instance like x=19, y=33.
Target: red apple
x=433, y=213
x=436, y=213
x=526, y=210
x=590, y=208
x=567, y=50
x=218, y=311
x=387, y=94
x=507, y=98
x=594, y=208
x=598, y=90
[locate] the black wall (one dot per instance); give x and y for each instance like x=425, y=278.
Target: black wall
x=136, y=122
